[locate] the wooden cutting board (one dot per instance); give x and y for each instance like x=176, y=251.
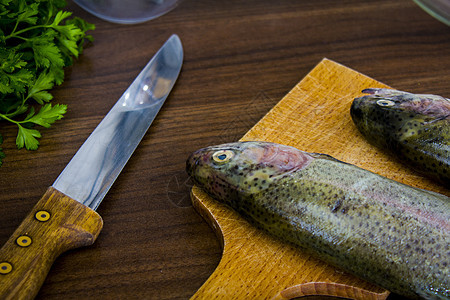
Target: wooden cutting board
x=314, y=116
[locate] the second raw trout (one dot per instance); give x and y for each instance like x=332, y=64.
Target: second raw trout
x=388, y=233
x=413, y=127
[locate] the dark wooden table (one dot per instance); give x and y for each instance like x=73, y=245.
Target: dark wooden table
x=241, y=58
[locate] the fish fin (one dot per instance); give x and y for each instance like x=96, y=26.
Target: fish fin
x=331, y=289
x=328, y=157
x=371, y=91
x=383, y=92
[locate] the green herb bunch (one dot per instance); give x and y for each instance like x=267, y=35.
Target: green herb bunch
x=37, y=40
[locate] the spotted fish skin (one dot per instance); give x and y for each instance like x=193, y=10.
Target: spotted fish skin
x=393, y=235
x=414, y=127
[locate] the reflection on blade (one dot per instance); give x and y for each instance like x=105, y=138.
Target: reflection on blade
x=96, y=165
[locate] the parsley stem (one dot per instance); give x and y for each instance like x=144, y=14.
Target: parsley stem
x=20, y=37
x=13, y=121
x=15, y=34
x=8, y=119
x=15, y=26
x=16, y=112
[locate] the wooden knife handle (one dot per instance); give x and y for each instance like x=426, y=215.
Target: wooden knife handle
x=56, y=224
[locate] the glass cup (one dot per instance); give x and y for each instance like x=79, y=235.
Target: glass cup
x=127, y=11
x=440, y=9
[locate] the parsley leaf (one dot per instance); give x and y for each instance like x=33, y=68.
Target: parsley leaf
x=37, y=41
x=47, y=115
x=46, y=53
x=39, y=89
x=28, y=14
x=27, y=137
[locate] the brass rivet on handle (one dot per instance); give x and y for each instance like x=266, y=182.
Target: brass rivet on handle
x=5, y=267
x=42, y=216
x=23, y=241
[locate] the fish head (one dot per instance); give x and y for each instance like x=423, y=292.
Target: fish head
x=372, y=113
x=384, y=112
x=229, y=170
x=388, y=101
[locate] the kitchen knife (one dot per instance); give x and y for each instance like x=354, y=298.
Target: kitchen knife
x=65, y=217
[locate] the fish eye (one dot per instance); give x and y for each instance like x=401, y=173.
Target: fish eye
x=385, y=103
x=222, y=156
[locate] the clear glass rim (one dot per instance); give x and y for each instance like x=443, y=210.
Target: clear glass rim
x=438, y=9
x=160, y=9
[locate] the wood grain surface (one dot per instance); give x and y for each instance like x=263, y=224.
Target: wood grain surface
x=241, y=59
x=314, y=117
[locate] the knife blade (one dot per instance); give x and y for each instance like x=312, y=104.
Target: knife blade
x=65, y=217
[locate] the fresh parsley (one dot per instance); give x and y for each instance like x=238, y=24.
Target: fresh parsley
x=37, y=40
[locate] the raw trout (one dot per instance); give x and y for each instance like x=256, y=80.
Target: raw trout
x=388, y=233
x=416, y=128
